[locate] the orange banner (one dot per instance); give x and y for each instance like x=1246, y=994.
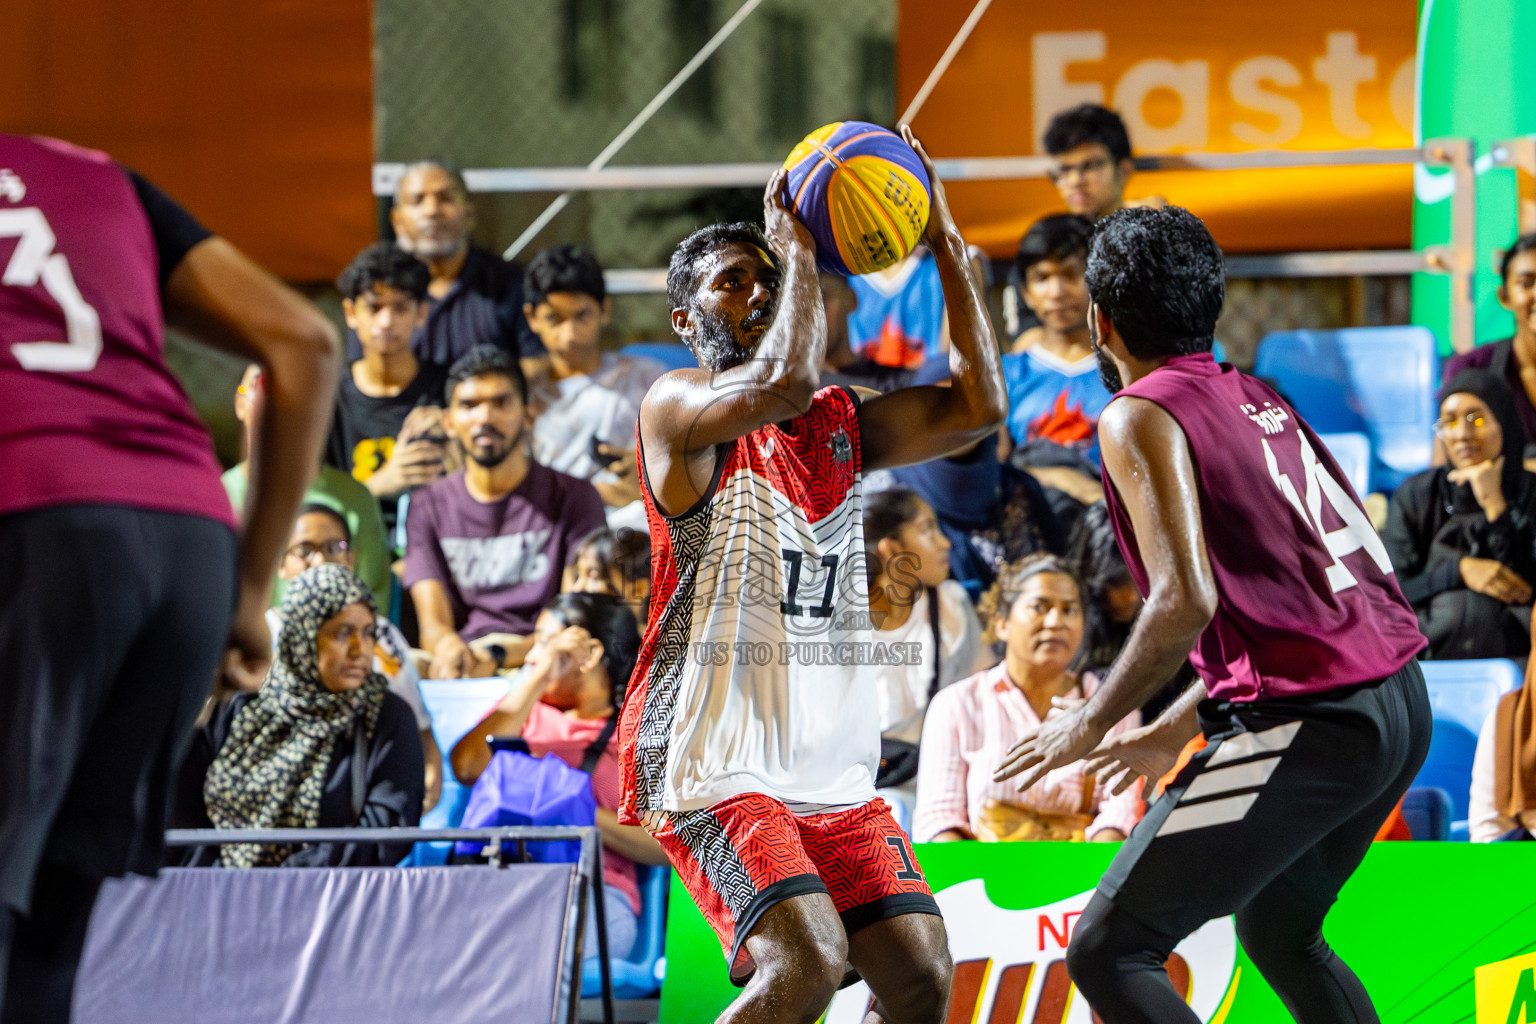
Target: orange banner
x=1187, y=76
x=257, y=115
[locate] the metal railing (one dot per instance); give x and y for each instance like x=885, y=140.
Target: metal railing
x=589, y=872
x=1456, y=260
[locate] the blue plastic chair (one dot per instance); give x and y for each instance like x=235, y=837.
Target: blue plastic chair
x=639, y=975
x=456, y=706
x=1427, y=810
x=1379, y=381
x=674, y=355
x=1462, y=694
x=1353, y=454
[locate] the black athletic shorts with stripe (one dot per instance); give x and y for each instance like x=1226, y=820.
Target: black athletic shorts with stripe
x=112, y=624
x=1267, y=822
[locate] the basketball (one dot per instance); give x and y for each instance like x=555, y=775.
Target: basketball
x=861, y=192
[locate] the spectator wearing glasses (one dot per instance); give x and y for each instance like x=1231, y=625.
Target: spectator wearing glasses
x=1462, y=536
x=321, y=537
x=330, y=486
x=1513, y=360
x=1091, y=155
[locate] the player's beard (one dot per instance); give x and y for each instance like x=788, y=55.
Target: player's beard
x=718, y=345
x=1109, y=373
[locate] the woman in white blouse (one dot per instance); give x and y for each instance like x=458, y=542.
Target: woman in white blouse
x=972, y=724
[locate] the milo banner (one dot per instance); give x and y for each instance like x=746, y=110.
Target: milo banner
x=1438, y=932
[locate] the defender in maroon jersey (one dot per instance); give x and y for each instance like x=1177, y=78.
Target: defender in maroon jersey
x=118, y=553
x=1259, y=565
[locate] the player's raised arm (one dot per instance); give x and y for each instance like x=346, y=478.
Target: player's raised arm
x=1147, y=458
x=921, y=423
x=227, y=300
x=754, y=319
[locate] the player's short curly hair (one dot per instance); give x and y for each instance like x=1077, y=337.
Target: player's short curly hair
x=1160, y=277
x=683, y=271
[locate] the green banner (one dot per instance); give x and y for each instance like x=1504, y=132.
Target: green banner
x=1474, y=80
x=1416, y=922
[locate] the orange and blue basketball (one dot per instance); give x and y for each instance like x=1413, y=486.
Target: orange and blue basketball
x=861, y=192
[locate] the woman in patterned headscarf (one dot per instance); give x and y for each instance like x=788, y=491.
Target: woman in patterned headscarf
x=322, y=744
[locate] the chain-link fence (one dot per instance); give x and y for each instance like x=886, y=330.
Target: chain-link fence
x=493, y=83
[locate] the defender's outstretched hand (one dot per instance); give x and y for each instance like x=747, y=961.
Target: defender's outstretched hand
x=1147, y=753
x=940, y=221
x=1058, y=742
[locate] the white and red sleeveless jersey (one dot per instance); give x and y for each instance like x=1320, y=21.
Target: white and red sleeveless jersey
x=748, y=677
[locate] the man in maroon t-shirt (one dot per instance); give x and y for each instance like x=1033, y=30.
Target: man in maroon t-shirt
x=1260, y=566
x=485, y=546
x=117, y=545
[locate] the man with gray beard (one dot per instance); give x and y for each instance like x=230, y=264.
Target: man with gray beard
x=476, y=297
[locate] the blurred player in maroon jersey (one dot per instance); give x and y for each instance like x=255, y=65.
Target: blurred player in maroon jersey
x=1258, y=564
x=125, y=587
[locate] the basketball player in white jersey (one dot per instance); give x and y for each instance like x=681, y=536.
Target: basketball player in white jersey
x=749, y=743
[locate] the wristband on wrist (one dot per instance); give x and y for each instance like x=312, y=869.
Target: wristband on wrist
x=498, y=654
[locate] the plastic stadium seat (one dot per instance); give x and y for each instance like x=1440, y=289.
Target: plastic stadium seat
x=1427, y=810
x=1379, y=381
x=456, y=706
x=674, y=355
x=639, y=975
x=1353, y=454
x=1462, y=694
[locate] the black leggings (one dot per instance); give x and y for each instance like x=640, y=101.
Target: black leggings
x=1290, y=796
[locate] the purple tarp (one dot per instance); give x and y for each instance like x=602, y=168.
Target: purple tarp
x=328, y=946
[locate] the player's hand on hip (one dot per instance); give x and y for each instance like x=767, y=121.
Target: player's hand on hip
x=785, y=232
x=1059, y=741
x=1146, y=753
x=940, y=221
x=248, y=652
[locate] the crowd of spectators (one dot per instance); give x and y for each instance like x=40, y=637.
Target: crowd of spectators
x=480, y=514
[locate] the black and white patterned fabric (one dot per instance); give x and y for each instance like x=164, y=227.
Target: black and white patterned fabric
x=271, y=771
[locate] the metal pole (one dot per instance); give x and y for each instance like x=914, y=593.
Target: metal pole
x=945, y=60
x=639, y=120
x=1458, y=154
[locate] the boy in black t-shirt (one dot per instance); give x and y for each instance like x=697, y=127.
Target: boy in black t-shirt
x=388, y=426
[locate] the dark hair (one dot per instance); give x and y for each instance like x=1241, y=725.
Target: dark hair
x=611, y=624
x=885, y=513
x=624, y=549
x=454, y=177
x=563, y=268
x=1057, y=237
x=1088, y=123
x=683, y=273
x=998, y=600
x=1159, y=277
x=485, y=361
x=313, y=508
x=387, y=264
x=1095, y=557
x=1525, y=243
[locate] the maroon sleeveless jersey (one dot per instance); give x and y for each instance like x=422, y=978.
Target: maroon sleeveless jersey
x=1307, y=600
x=89, y=413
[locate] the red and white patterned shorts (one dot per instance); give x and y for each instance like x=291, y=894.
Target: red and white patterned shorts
x=741, y=856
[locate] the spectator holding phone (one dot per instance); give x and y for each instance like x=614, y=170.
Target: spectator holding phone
x=388, y=426
x=585, y=419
